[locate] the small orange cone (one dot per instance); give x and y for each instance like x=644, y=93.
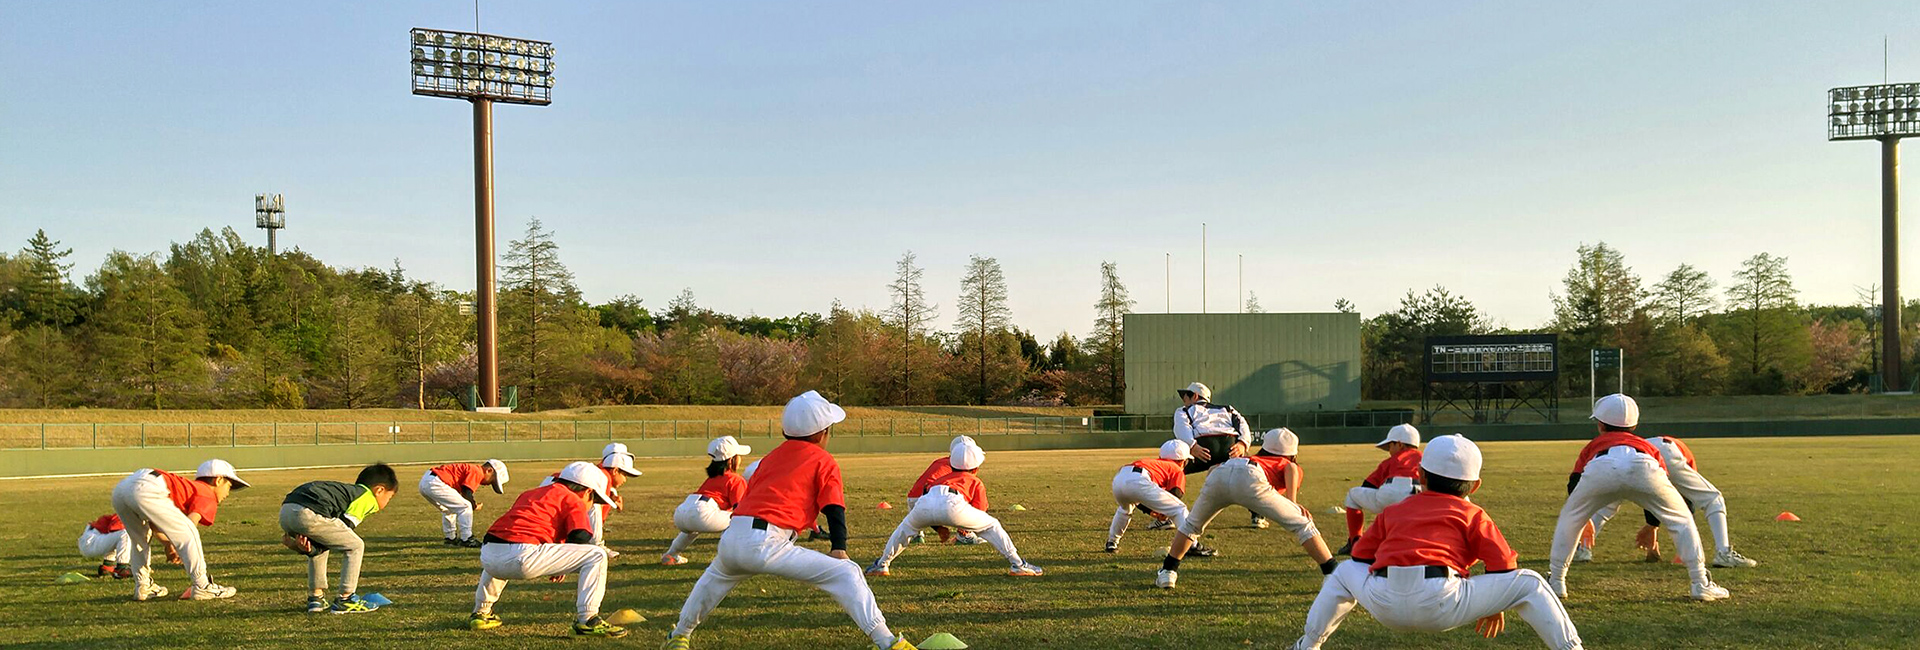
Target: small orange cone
x=884, y=506
x=1787, y=516
x=1676, y=559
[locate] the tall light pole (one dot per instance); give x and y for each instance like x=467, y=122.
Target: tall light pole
x=270, y=214
x=1241, y=288
x=1203, y=267
x=1169, y=283
x=1886, y=112
x=483, y=69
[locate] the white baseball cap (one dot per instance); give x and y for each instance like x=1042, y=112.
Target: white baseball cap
x=1617, y=410
x=500, y=475
x=751, y=468
x=614, y=448
x=1280, y=442
x=809, y=414
x=967, y=455
x=725, y=447
x=959, y=440
x=1401, y=433
x=1176, y=450
x=223, y=469
x=1452, y=456
x=582, y=474
x=621, y=461
x=1200, y=389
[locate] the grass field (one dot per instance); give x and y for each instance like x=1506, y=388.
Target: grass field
x=1844, y=577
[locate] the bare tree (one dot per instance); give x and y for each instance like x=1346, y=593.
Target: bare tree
x=984, y=318
x=1108, y=343
x=909, y=315
x=1684, y=294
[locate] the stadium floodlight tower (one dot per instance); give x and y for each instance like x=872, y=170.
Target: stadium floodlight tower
x=1886, y=112
x=483, y=69
x=270, y=214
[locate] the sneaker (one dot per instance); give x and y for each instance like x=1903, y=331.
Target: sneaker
x=672, y=560
x=479, y=621
x=1260, y=522
x=597, y=626
x=316, y=604
x=450, y=542
x=967, y=540
x=210, y=592
x=1161, y=524
x=878, y=570
x=1024, y=570
x=468, y=543
x=122, y=571
x=350, y=605
x=1707, y=592
x=1347, y=549
x=150, y=592
x=1202, y=550
x=1583, y=554
x=677, y=642
x=917, y=538
x=1113, y=547
x=1166, y=579
x=104, y=570
x=900, y=644
x=1732, y=559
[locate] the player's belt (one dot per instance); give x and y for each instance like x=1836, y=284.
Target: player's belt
x=1216, y=435
x=1432, y=571
x=761, y=524
x=1137, y=469
x=708, y=498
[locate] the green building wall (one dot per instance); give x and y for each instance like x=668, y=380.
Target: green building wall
x=1259, y=363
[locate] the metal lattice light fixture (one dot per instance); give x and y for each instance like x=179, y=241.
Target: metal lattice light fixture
x=270, y=214
x=1886, y=112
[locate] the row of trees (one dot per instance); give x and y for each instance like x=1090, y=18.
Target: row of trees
x=218, y=323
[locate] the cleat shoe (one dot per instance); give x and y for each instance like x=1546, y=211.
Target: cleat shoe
x=900, y=644
x=917, y=538
x=122, y=572
x=597, y=626
x=1707, y=592
x=351, y=605
x=1260, y=522
x=1113, y=547
x=1732, y=559
x=1161, y=524
x=1347, y=549
x=1583, y=554
x=104, y=570
x=964, y=539
x=468, y=543
x=1202, y=550
x=1166, y=579
x=149, y=592
x=450, y=542
x=677, y=642
x=1024, y=570
x=672, y=560
x=210, y=592
x=877, y=569
x=479, y=621
x=316, y=604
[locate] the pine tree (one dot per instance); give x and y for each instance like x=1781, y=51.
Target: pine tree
x=543, y=319
x=1107, y=345
x=982, y=324
x=1345, y=306
x=424, y=330
x=1768, y=338
x=353, y=372
x=48, y=297
x=908, y=315
x=37, y=367
x=1684, y=294
x=150, y=341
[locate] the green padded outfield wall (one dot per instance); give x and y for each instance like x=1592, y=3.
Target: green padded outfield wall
x=1259, y=363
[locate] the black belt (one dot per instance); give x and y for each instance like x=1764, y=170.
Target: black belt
x=1432, y=572
x=708, y=498
x=1138, y=469
x=155, y=473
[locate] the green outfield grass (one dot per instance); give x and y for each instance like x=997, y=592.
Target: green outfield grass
x=1844, y=577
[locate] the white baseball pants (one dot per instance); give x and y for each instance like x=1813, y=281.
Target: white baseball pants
x=1625, y=474
x=746, y=551
x=697, y=515
x=1373, y=500
x=144, y=506
x=456, y=514
x=114, y=547
x=1239, y=482
x=1130, y=488
x=502, y=562
x=1696, y=489
x=943, y=507
x=1406, y=600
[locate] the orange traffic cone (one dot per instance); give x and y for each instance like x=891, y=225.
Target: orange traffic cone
x=884, y=506
x=1787, y=516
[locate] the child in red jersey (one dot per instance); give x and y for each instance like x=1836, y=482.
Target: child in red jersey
x=617, y=464
x=1392, y=480
x=105, y=539
x=1409, y=570
x=709, y=508
x=956, y=499
x=1619, y=465
x=938, y=468
x=546, y=533
x=1263, y=483
x=1683, y=471
x=796, y=482
x=450, y=489
x=1157, y=483
x=151, y=503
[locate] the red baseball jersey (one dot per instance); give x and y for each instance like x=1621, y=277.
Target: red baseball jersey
x=1405, y=464
x=1435, y=529
x=107, y=524
x=543, y=515
x=1611, y=439
x=1168, y=474
x=1684, y=451
x=940, y=467
x=462, y=475
x=726, y=489
x=793, y=483
x=967, y=485
x=192, y=496
x=1276, y=468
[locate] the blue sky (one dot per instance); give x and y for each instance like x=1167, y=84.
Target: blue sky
x=774, y=156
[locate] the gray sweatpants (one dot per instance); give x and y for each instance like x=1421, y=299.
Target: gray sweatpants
x=296, y=519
